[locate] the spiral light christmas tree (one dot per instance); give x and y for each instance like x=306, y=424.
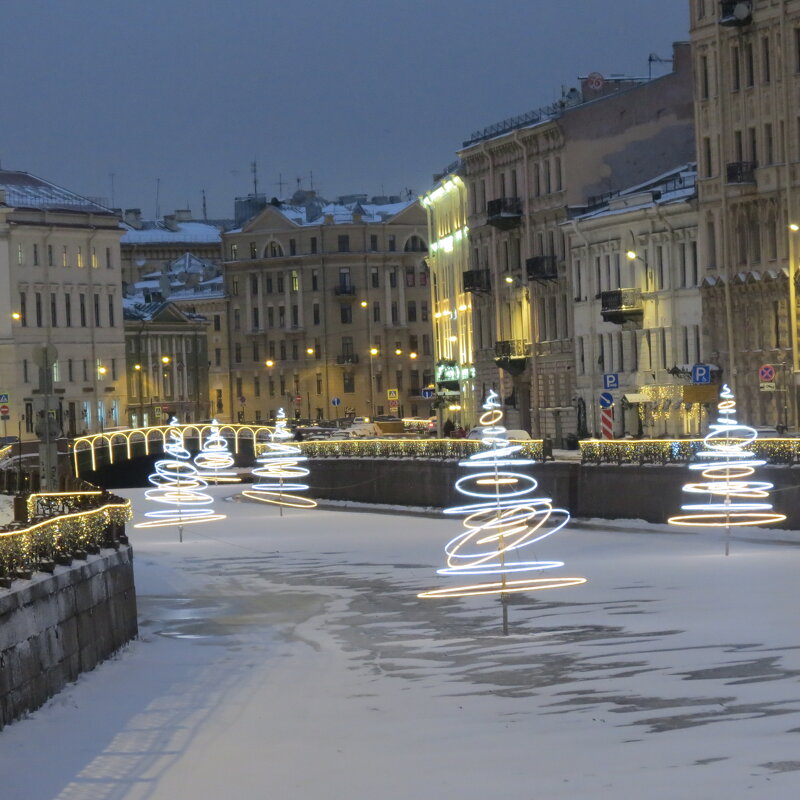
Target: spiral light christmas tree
x=178, y=485
x=214, y=460
x=726, y=465
x=280, y=471
x=504, y=518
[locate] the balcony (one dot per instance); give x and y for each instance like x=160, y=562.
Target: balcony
x=504, y=213
x=347, y=358
x=542, y=268
x=344, y=290
x=741, y=172
x=477, y=281
x=621, y=306
x=511, y=355
x=735, y=13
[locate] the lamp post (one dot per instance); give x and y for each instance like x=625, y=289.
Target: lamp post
x=138, y=369
x=794, y=228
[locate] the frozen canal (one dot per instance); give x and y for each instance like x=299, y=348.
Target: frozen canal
x=290, y=658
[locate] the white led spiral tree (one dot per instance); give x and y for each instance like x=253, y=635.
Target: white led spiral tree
x=732, y=499
x=504, y=518
x=280, y=471
x=178, y=486
x=214, y=460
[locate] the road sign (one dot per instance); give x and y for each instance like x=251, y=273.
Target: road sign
x=392, y=394
x=701, y=373
x=4, y=398
x=393, y=403
x=336, y=401
x=766, y=374
x=427, y=393
x=767, y=386
x=157, y=412
x=4, y=409
x=298, y=398
x=611, y=380
x=606, y=399
x=242, y=399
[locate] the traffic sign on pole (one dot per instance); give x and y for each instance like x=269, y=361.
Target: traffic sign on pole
x=427, y=393
x=606, y=399
x=607, y=423
x=611, y=380
x=766, y=373
x=336, y=401
x=4, y=398
x=701, y=373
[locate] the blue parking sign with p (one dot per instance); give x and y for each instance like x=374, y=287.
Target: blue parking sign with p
x=611, y=380
x=701, y=373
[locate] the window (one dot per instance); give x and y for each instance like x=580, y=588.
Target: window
x=95, y=263
x=769, y=144
x=237, y=319
x=313, y=244
x=376, y=312
x=426, y=344
x=392, y=243
x=394, y=312
x=703, y=78
x=294, y=281
x=82, y=309
x=749, y=68
x=319, y=382
x=348, y=383
x=253, y=250
x=393, y=279
x=736, y=77
x=217, y=322
x=281, y=316
x=110, y=311
x=237, y=353
x=20, y=254
x=271, y=350
x=398, y=379
x=256, y=386
x=751, y=135
x=410, y=277
x=279, y=283
x=295, y=316
x=234, y=286
x=344, y=243
x=85, y=370
x=423, y=310
x=275, y=250
x=97, y=311
x=413, y=343
x=217, y=357
x=109, y=264
x=270, y=317
x=70, y=373
x=68, y=310
x=79, y=258
x=314, y=280
x=254, y=285
x=423, y=278
x=38, y=306
x=373, y=242
x=346, y=313
x=315, y=313
x=255, y=319
x=412, y=311
x=766, y=61
x=50, y=255
x=36, y=255
x=292, y=247
x=374, y=278
x=255, y=351
x=282, y=350
x=708, y=169
x=53, y=311
x=64, y=257
x=234, y=252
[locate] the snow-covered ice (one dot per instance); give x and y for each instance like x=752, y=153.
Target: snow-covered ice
x=289, y=657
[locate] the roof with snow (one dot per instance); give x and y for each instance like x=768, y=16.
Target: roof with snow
x=24, y=190
x=341, y=213
x=156, y=232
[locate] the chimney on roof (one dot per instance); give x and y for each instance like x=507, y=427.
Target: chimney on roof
x=170, y=222
x=133, y=217
x=183, y=214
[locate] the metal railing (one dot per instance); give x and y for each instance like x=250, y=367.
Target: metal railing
x=741, y=172
x=407, y=448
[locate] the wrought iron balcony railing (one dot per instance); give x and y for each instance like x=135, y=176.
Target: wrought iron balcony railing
x=542, y=268
x=504, y=212
x=741, y=172
x=477, y=281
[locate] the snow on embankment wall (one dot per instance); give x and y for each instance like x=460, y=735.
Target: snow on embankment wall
x=54, y=627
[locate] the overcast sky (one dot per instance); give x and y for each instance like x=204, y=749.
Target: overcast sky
x=367, y=95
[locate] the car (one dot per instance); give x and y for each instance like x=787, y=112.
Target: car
x=513, y=434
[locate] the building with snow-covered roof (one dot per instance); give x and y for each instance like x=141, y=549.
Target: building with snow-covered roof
x=632, y=263
x=60, y=305
x=330, y=301
x=148, y=245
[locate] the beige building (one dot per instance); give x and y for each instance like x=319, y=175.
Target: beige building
x=452, y=289
x=61, y=329
x=329, y=310
x=524, y=176
x=637, y=314
x=747, y=109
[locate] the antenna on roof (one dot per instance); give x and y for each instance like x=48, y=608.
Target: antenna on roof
x=653, y=58
x=299, y=181
x=311, y=179
x=158, y=189
x=254, y=170
x=279, y=183
x=111, y=175
x=205, y=211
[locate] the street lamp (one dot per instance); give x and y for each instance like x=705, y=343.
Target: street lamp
x=138, y=369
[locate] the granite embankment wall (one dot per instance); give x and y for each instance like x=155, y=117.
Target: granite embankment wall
x=54, y=627
x=651, y=493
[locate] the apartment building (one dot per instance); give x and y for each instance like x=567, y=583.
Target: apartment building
x=632, y=260
x=329, y=311
x=62, y=348
x=525, y=176
x=458, y=395
x=747, y=84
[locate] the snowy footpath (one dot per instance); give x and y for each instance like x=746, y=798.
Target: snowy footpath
x=289, y=657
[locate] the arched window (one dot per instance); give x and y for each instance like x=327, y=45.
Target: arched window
x=415, y=245
x=273, y=250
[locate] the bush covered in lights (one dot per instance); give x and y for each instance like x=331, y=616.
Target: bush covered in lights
x=63, y=525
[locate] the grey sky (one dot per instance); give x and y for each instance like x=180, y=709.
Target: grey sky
x=371, y=96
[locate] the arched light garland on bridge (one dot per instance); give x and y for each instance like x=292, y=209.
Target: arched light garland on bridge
x=726, y=465
x=503, y=519
x=214, y=460
x=280, y=471
x=178, y=485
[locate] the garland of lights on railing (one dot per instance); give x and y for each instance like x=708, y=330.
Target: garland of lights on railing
x=504, y=518
x=214, y=460
x=733, y=499
x=178, y=486
x=280, y=471
x=58, y=539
